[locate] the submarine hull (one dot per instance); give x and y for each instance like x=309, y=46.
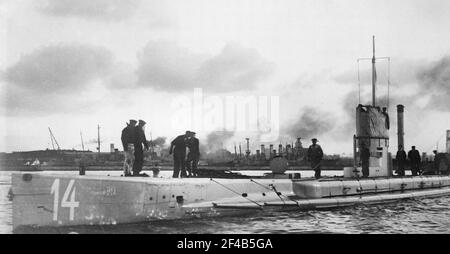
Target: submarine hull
x=45, y=199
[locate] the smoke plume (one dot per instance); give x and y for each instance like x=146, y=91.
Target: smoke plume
x=434, y=80
x=158, y=142
x=217, y=140
x=311, y=123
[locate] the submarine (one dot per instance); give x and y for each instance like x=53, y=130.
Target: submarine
x=45, y=199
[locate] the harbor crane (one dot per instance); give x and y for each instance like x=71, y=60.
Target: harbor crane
x=82, y=142
x=53, y=139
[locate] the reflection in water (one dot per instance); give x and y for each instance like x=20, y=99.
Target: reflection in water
x=409, y=216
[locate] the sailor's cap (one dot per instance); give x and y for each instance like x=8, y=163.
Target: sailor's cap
x=133, y=121
x=142, y=122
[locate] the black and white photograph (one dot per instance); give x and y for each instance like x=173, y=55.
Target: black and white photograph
x=244, y=119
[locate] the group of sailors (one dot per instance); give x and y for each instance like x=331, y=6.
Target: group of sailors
x=402, y=158
x=415, y=161
x=413, y=158
x=181, y=162
x=134, y=142
x=185, y=164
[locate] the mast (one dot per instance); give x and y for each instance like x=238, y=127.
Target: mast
x=374, y=72
x=98, y=138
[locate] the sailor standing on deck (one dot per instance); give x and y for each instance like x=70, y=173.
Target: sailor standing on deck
x=128, y=138
x=193, y=155
x=315, y=155
x=179, y=154
x=435, y=164
x=365, y=156
x=401, y=161
x=414, y=158
x=139, y=152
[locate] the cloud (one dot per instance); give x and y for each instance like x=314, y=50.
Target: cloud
x=165, y=66
x=435, y=81
x=56, y=79
x=121, y=76
x=413, y=83
x=62, y=68
x=235, y=68
x=110, y=10
x=402, y=72
x=19, y=101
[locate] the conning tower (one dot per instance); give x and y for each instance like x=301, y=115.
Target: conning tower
x=372, y=131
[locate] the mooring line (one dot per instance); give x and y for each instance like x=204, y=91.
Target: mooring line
x=235, y=192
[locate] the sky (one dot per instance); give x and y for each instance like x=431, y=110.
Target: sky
x=74, y=65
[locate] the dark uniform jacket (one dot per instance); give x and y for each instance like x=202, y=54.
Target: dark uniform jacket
x=193, y=146
x=140, y=137
x=315, y=153
x=401, y=156
x=179, y=143
x=128, y=136
x=414, y=156
x=365, y=155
